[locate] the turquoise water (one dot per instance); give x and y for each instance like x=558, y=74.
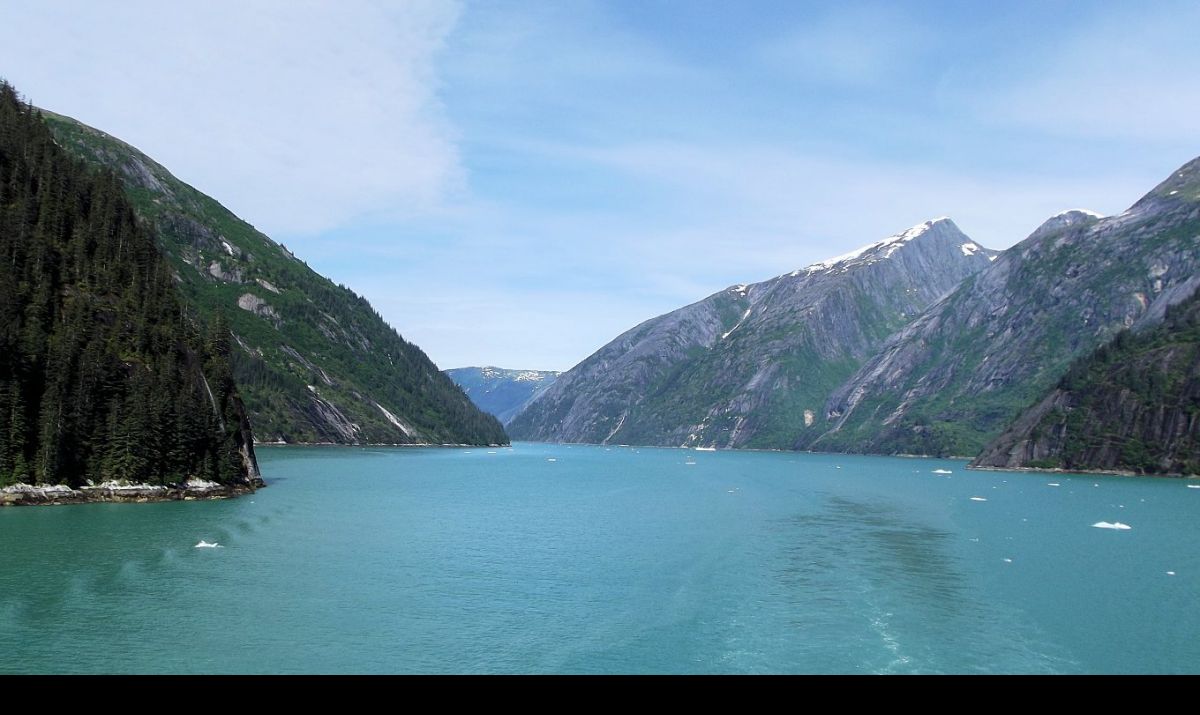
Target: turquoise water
x=611, y=560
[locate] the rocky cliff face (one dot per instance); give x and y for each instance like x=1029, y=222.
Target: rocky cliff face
x=1132, y=405
x=956, y=376
x=500, y=392
x=752, y=365
x=314, y=361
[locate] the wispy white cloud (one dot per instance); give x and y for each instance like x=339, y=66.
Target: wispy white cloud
x=297, y=115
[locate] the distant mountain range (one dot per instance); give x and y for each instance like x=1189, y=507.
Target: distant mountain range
x=500, y=392
x=753, y=365
x=314, y=361
x=924, y=343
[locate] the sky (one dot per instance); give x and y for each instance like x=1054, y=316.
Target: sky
x=517, y=183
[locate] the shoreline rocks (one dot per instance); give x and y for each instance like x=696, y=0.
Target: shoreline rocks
x=123, y=493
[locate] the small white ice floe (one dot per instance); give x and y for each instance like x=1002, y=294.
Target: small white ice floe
x=1053, y=484
x=838, y=466
x=978, y=499
x=942, y=471
x=1008, y=561
x=491, y=451
x=205, y=545
x=1193, y=486
x=1112, y=525
x=1095, y=485
x=1170, y=573
x=551, y=459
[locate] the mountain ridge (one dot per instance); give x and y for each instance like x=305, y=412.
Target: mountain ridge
x=740, y=367
x=951, y=380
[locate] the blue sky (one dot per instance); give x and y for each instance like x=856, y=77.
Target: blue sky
x=517, y=183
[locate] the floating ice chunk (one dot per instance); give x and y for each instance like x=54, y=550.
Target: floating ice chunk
x=942, y=471
x=978, y=499
x=1008, y=561
x=205, y=545
x=1053, y=484
x=551, y=459
x=1193, y=486
x=1112, y=525
x=1170, y=573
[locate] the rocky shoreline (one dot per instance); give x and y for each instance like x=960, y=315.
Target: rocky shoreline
x=1100, y=472
x=116, y=492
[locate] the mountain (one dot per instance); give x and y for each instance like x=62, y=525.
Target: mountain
x=103, y=373
x=1132, y=405
x=500, y=392
x=753, y=365
x=314, y=361
x=951, y=381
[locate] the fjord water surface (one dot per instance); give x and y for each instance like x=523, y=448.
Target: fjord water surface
x=575, y=559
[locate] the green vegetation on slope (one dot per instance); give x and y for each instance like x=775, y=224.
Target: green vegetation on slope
x=314, y=361
x=1132, y=404
x=103, y=374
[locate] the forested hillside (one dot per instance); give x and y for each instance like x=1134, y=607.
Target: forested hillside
x=1132, y=405
x=313, y=359
x=104, y=373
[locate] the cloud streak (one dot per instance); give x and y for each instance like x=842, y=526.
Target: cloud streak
x=300, y=116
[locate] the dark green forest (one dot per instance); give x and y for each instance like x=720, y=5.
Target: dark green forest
x=1137, y=399
x=103, y=372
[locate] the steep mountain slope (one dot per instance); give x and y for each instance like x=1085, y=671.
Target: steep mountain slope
x=1133, y=404
x=500, y=392
x=314, y=361
x=103, y=375
x=953, y=379
x=752, y=366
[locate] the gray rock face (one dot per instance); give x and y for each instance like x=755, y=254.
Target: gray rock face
x=952, y=379
x=258, y=306
x=752, y=365
x=501, y=392
x=1133, y=405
